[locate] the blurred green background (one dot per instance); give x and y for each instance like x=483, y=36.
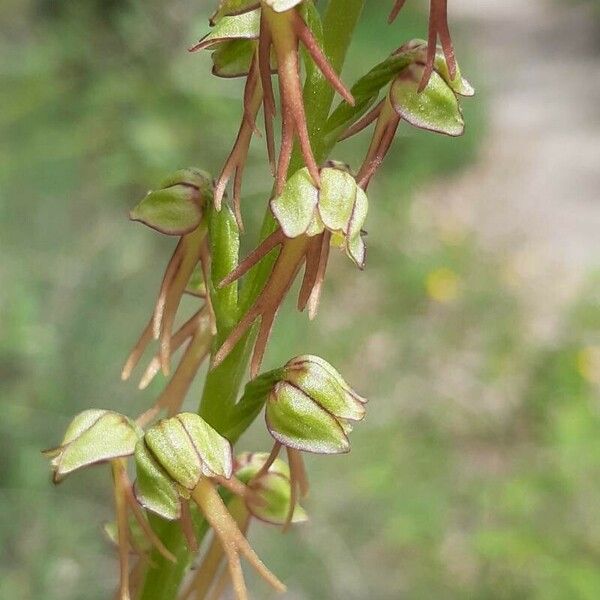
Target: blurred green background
x=477, y=471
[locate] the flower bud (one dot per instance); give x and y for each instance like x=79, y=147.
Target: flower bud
x=173, y=456
x=339, y=206
x=311, y=408
x=271, y=492
x=175, y=208
x=94, y=436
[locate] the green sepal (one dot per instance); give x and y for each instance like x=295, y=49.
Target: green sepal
x=174, y=452
x=325, y=387
x=337, y=197
x=295, y=208
x=298, y=422
x=245, y=26
x=356, y=249
x=333, y=372
x=434, y=109
x=187, y=448
x=153, y=488
x=172, y=211
x=212, y=448
x=271, y=499
x=196, y=178
x=459, y=84
x=355, y=245
x=233, y=59
x=94, y=436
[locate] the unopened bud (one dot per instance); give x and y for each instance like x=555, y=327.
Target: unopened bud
x=177, y=207
x=270, y=495
x=173, y=456
x=311, y=408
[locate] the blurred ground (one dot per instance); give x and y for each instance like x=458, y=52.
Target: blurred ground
x=475, y=330
x=540, y=169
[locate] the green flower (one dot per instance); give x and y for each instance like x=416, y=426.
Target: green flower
x=338, y=206
x=233, y=41
x=311, y=408
x=270, y=499
x=176, y=208
x=94, y=436
x=172, y=458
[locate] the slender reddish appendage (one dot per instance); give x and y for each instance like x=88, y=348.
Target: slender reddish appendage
x=267, y=464
x=398, y=5
x=264, y=67
x=438, y=29
x=311, y=271
x=289, y=261
x=232, y=540
x=236, y=162
x=318, y=56
x=203, y=580
x=385, y=130
x=293, y=115
x=363, y=122
x=298, y=483
x=190, y=250
x=183, y=335
x=284, y=31
x=187, y=527
x=122, y=533
x=174, y=393
x=269, y=243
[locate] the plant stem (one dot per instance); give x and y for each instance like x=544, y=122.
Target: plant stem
x=223, y=383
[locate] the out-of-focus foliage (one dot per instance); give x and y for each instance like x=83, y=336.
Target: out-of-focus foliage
x=476, y=472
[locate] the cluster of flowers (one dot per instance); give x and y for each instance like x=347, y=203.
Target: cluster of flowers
x=182, y=459
x=183, y=466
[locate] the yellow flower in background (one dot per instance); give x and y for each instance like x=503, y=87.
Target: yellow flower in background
x=588, y=363
x=443, y=285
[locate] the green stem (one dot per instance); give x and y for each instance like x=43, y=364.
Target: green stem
x=223, y=383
